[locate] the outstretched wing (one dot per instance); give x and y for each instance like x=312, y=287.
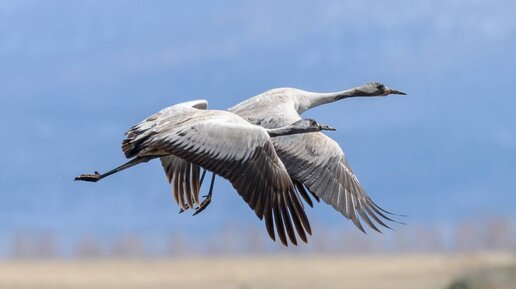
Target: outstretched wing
x=234, y=149
x=317, y=162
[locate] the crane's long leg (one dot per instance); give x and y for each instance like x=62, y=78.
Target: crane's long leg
x=95, y=177
x=207, y=199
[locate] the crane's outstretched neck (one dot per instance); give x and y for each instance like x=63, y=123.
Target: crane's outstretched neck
x=288, y=130
x=312, y=99
x=301, y=126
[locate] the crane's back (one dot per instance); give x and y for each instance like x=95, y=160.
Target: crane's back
x=271, y=109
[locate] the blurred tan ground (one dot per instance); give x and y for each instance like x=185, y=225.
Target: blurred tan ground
x=409, y=271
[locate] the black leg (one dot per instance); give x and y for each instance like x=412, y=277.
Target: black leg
x=207, y=199
x=95, y=177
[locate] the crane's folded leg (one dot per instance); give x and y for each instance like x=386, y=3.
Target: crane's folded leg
x=207, y=198
x=97, y=177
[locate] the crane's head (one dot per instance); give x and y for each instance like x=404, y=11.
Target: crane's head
x=375, y=89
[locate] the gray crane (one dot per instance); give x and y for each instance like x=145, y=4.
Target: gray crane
x=187, y=137
x=315, y=162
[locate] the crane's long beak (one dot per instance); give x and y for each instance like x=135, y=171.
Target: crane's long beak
x=393, y=91
x=327, y=127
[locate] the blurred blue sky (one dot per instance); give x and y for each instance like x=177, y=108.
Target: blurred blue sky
x=75, y=75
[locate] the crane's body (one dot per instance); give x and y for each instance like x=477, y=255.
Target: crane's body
x=315, y=162
x=187, y=137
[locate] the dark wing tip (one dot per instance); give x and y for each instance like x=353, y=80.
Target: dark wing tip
x=387, y=212
x=301, y=190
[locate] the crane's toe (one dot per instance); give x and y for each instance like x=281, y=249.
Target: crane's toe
x=89, y=177
x=203, y=205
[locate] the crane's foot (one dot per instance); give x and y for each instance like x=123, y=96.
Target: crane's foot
x=89, y=177
x=204, y=204
x=207, y=198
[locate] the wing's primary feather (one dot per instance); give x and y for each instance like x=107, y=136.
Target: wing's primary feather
x=317, y=163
